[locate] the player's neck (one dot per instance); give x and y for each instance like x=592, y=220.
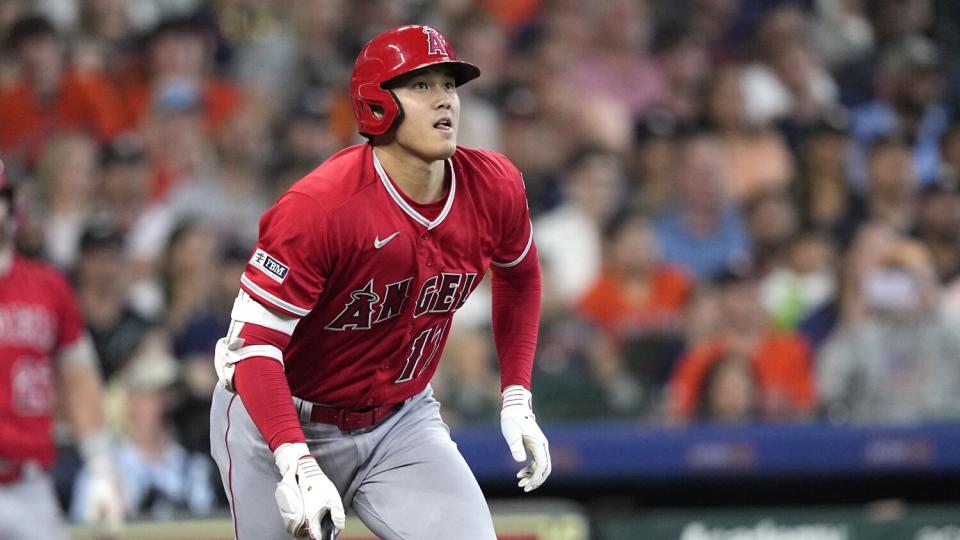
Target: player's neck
x=421, y=181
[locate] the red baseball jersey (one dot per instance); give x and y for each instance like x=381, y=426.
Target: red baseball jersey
x=39, y=320
x=374, y=282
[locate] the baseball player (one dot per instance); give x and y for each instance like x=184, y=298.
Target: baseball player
x=45, y=355
x=344, y=308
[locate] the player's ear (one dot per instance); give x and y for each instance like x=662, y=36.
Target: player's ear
x=376, y=110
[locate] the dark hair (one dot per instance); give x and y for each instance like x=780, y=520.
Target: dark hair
x=672, y=35
x=623, y=219
x=703, y=411
x=584, y=153
x=100, y=234
x=7, y=192
x=657, y=123
x=233, y=250
x=886, y=142
x=123, y=149
x=692, y=134
x=737, y=270
x=180, y=26
x=835, y=121
x=29, y=27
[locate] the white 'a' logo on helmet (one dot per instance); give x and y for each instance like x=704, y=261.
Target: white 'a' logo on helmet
x=435, y=43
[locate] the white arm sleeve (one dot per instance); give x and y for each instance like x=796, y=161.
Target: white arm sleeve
x=230, y=350
x=80, y=351
x=247, y=310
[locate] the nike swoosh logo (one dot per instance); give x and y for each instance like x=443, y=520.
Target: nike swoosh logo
x=378, y=243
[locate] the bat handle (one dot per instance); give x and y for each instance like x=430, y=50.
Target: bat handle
x=327, y=530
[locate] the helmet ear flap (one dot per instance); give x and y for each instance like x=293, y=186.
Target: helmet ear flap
x=377, y=109
x=399, y=118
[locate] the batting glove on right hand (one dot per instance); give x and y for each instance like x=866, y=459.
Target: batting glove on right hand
x=520, y=429
x=304, y=494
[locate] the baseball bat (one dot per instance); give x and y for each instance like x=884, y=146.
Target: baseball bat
x=327, y=530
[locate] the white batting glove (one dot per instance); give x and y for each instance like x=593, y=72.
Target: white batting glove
x=104, y=506
x=520, y=429
x=305, y=495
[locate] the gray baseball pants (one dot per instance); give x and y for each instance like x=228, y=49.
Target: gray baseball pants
x=29, y=508
x=404, y=479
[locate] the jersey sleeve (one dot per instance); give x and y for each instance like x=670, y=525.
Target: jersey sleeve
x=73, y=344
x=517, y=231
x=71, y=327
x=291, y=261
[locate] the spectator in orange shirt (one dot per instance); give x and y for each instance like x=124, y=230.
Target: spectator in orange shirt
x=179, y=59
x=637, y=293
x=639, y=301
x=49, y=96
x=781, y=360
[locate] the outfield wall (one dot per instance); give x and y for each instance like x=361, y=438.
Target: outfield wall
x=558, y=520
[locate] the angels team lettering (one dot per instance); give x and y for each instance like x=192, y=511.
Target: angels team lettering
x=31, y=381
x=371, y=305
x=26, y=325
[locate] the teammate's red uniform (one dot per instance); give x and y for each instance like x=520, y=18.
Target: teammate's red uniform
x=46, y=357
x=390, y=277
x=38, y=321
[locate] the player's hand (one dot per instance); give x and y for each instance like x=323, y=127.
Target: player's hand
x=520, y=429
x=304, y=494
x=104, y=506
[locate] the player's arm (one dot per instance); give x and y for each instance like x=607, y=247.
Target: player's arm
x=282, y=280
x=280, y=284
x=516, y=318
x=516, y=290
x=82, y=393
x=81, y=389
x=249, y=361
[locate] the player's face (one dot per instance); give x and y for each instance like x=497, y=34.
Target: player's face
x=431, y=113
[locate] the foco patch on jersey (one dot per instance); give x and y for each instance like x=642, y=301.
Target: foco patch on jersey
x=273, y=268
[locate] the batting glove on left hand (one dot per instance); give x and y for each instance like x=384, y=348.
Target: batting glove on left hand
x=304, y=494
x=520, y=429
x=104, y=505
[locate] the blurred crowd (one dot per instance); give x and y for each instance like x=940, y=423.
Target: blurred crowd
x=747, y=210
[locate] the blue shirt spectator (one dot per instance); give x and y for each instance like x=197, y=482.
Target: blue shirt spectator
x=704, y=230
x=877, y=119
x=703, y=254
x=908, y=104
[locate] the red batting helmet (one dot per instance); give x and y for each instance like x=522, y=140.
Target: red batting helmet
x=392, y=54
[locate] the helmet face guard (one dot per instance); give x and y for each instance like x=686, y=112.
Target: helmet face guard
x=388, y=56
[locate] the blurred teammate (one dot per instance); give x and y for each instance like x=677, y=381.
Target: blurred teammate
x=45, y=356
x=345, y=306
